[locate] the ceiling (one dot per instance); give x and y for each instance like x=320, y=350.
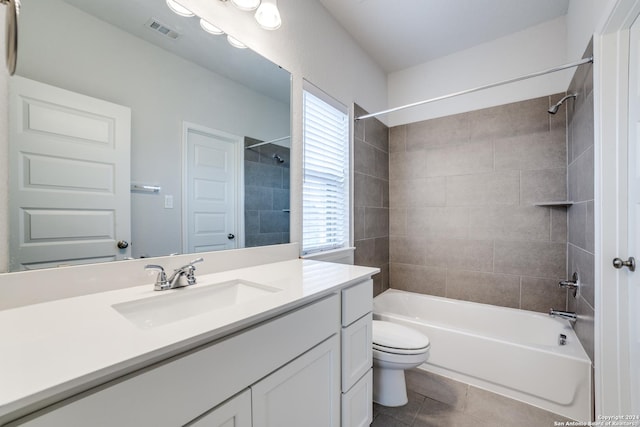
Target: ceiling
x=211, y=52
x=399, y=34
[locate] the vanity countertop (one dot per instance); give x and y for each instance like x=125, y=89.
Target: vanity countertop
x=52, y=350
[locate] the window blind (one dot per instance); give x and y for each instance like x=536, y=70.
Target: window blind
x=325, y=192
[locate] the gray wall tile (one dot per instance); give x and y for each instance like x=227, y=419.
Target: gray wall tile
x=578, y=224
x=517, y=118
x=542, y=294
x=559, y=224
x=407, y=250
x=510, y=223
x=368, y=191
x=407, y=165
x=438, y=222
x=376, y=134
x=358, y=222
x=376, y=222
x=544, y=185
x=371, y=221
x=488, y=288
x=464, y=159
x=501, y=188
x=421, y=192
x=476, y=255
x=536, y=259
x=462, y=190
x=364, y=160
x=397, y=222
x=274, y=221
x=416, y=278
x=583, y=263
x=531, y=151
x=397, y=138
x=444, y=131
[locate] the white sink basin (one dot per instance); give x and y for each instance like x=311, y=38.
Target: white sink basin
x=186, y=302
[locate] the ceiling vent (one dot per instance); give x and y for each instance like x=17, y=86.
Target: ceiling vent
x=161, y=28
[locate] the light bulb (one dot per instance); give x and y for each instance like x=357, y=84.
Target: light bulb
x=210, y=28
x=179, y=9
x=246, y=4
x=235, y=42
x=268, y=15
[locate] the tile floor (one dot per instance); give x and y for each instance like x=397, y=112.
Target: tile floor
x=435, y=401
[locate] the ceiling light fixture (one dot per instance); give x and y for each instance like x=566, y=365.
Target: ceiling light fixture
x=179, y=9
x=235, y=42
x=268, y=15
x=210, y=28
x=246, y=4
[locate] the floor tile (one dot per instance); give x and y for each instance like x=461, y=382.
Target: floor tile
x=406, y=413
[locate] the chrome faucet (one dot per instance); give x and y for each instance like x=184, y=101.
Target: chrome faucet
x=181, y=277
x=569, y=315
x=571, y=285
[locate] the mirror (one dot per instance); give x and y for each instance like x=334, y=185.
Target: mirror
x=184, y=89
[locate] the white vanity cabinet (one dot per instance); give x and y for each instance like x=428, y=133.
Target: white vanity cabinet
x=308, y=364
x=236, y=412
x=357, y=355
x=298, y=347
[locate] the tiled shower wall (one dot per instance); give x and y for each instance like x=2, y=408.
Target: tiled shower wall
x=581, y=223
x=371, y=197
x=266, y=190
x=463, y=223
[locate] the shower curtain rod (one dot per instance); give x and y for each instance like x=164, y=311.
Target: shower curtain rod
x=266, y=142
x=489, y=86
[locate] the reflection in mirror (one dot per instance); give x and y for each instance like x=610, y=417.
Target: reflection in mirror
x=134, y=133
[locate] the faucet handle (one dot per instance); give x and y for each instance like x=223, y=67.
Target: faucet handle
x=161, y=280
x=195, y=261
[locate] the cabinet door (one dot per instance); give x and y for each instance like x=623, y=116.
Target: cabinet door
x=235, y=412
x=357, y=403
x=305, y=392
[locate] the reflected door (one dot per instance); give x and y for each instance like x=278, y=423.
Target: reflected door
x=69, y=175
x=212, y=184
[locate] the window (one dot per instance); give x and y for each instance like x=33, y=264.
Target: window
x=325, y=190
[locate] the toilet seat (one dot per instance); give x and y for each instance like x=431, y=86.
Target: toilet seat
x=398, y=339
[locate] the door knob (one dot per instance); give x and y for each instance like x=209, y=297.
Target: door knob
x=231, y=236
x=122, y=244
x=630, y=263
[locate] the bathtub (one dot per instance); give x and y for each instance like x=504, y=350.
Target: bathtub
x=511, y=352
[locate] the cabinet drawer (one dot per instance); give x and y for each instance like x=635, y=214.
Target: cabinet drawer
x=357, y=403
x=357, y=353
x=178, y=390
x=357, y=301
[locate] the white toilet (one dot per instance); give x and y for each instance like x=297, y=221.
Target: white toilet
x=395, y=348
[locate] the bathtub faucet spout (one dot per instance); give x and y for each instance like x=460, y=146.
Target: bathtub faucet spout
x=569, y=315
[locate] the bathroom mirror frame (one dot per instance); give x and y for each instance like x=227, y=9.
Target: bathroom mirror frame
x=258, y=154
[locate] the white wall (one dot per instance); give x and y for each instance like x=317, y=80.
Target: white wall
x=534, y=49
x=583, y=17
x=162, y=90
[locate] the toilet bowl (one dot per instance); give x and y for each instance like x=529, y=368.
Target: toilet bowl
x=395, y=349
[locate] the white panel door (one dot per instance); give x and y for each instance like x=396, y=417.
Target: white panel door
x=69, y=177
x=211, y=193
x=631, y=309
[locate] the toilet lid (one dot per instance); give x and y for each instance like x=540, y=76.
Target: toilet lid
x=395, y=336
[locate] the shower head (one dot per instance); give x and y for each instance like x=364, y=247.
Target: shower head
x=278, y=158
x=554, y=108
